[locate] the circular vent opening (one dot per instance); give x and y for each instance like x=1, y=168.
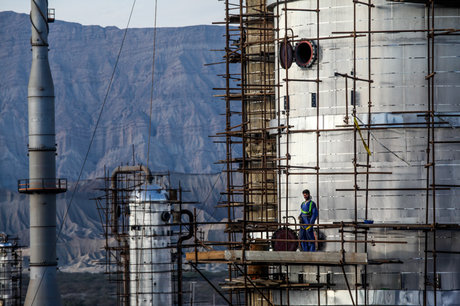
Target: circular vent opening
x=305, y=53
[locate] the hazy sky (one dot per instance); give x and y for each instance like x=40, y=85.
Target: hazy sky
x=171, y=13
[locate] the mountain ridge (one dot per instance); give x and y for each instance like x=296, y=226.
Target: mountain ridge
x=182, y=96
x=184, y=114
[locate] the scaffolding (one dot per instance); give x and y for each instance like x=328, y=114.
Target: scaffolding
x=144, y=234
x=260, y=167
x=10, y=271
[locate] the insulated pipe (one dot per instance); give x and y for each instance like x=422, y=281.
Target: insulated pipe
x=113, y=187
x=43, y=289
x=129, y=169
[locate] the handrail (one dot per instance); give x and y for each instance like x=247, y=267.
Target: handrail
x=55, y=185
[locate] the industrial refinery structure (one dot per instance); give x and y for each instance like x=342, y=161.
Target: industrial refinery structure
x=10, y=271
x=42, y=184
x=144, y=229
x=356, y=101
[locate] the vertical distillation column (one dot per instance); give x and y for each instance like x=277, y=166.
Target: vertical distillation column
x=43, y=289
x=149, y=240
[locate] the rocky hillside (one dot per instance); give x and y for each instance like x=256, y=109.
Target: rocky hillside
x=82, y=58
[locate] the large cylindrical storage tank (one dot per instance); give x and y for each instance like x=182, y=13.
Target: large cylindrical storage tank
x=400, y=98
x=150, y=263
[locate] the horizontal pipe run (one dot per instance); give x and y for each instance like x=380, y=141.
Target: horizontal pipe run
x=303, y=80
x=301, y=10
x=345, y=75
x=364, y=3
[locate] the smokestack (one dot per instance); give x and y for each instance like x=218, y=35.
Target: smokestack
x=42, y=184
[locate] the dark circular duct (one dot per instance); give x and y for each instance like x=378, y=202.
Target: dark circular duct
x=286, y=55
x=290, y=243
x=165, y=216
x=305, y=53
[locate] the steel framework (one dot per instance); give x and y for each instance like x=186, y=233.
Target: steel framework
x=10, y=271
x=116, y=218
x=256, y=96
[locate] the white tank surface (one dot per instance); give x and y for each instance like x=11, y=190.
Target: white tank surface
x=149, y=241
x=399, y=96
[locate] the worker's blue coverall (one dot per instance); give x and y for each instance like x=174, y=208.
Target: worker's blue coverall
x=308, y=215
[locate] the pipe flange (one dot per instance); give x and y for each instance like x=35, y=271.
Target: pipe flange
x=165, y=216
x=306, y=53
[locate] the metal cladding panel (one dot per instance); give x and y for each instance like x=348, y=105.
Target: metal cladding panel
x=149, y=240
x=398, y=58
x=40, y=122
x=41, y=166
x=375, y=297
x=399, y=67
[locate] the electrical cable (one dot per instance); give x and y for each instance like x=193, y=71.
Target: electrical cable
x=98, y=120
x=210, y=192
x=385, y=147
x=152, y=81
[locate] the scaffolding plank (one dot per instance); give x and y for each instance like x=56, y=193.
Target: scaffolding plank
x=321, y=258
x=281, y=257
x=206, y=256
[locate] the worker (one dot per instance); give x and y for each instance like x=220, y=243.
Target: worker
x=307, y=217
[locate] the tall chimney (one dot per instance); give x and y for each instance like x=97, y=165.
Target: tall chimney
x=42, y=184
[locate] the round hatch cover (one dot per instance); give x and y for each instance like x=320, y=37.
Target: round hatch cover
x=286, y=54
x=285, y=239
